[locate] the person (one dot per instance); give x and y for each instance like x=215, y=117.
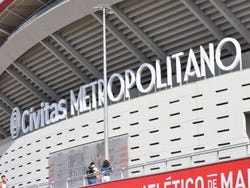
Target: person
x=106, y=169
x=92, y=173
x=4, y=182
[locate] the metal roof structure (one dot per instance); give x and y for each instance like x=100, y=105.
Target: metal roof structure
x=138, y=31
x=16, y=12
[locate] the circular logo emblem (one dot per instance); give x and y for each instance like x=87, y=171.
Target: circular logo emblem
x=15, y=122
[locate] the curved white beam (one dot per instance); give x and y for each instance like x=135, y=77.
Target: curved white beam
x=43, y=26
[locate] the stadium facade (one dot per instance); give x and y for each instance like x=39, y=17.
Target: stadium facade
x=178, y=92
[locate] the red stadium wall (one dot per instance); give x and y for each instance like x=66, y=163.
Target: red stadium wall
x=232, y=174
x=4, y=4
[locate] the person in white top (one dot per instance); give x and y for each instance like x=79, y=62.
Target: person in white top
x=4, y=182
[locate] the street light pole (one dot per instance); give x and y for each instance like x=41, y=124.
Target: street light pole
x=105, y=10
x=106, y=129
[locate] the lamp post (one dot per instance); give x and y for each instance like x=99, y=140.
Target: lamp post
x=105, y=10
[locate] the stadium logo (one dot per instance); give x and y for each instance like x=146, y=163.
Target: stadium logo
x=91, y=96
x=30, y=120
x=15, y=122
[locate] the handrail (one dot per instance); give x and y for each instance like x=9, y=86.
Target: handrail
x=246, y=145
x=191, y=155
x=40, y=185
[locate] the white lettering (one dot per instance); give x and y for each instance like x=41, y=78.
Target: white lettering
x=189, y=181
x=227, y=183
x=129, y=83
x=240, y=183
x=100, y=92
x=85, y=100
x=176, y=183
x=110, y=84
x=178, y=66
x=209, y=61
x=168, y=182
x=139, y=75
x=46, y=110
x=237, y=59
x=169, y=71
x=42, y=115
x=159, y=83
x=36, y=119
x=15, y=122
x=62, y=109
x=199, y=182
x=93, y=87
x=192, y=61
x=54, y=113
x=212, y=183
x=25, y=128
x=75, y=104
x=31, y=120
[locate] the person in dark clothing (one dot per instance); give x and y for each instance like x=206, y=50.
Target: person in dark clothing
x=92, y=173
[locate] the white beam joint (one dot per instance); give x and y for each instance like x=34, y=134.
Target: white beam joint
x=77, y=55
x=232, y=19
x=206, y=22
x=36, y=80
x=7, y=101
x=5, y=108
x=71, y=66
x=137, y=53
x=139, y=33
x=26, y=84
x=4, y=133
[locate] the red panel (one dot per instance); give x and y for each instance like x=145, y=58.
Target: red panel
x=5, y=4
x=232, y=174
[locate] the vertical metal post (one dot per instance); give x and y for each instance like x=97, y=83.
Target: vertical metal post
x=122, y=174
x=84, y=181
x=51, y=184
x=191, y=160
x=143, y=169
x=67, y=182
x=247, y=149
x=106, y=129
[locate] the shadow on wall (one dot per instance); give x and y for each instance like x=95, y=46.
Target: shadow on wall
x=247, y=121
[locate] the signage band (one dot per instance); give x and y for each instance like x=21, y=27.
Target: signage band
x=30, y=120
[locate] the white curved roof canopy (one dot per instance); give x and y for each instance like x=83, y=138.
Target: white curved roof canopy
x=62, y=49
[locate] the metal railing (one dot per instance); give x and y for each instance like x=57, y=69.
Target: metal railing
x=191, y=159
x=41, y=185
x=243, y=152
